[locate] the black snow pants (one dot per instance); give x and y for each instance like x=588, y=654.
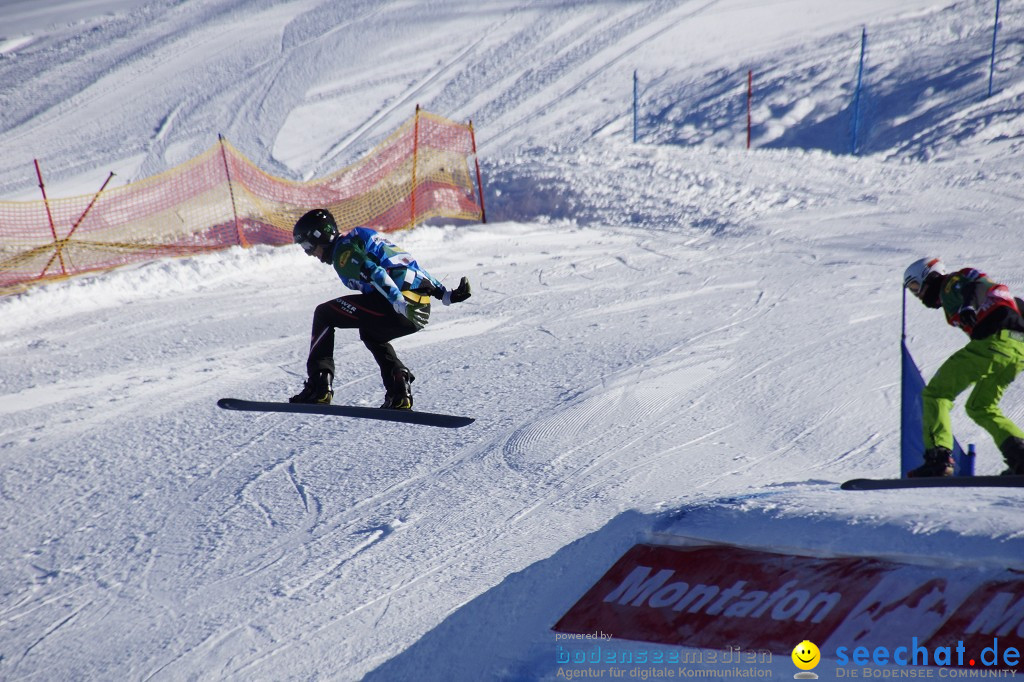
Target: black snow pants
x=378, y=325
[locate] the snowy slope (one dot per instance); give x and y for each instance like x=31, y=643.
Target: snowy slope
x=676, y=335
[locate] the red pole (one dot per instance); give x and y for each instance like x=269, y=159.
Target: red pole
x=479, y=182
x=89, y=207
x=53, y=228
x=61, y=243
x=750, y=99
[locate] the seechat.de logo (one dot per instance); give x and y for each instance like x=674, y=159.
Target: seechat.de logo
x=806, y=656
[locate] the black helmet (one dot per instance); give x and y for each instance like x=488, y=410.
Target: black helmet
x=314, y=229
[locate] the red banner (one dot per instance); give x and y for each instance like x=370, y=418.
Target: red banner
x=993, y=611
x=859, y=611
x=719, y=597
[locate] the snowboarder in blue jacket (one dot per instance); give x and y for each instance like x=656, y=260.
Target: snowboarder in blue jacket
x=394, y=301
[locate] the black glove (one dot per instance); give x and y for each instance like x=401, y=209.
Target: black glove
x=459, y=293
x=968, y=317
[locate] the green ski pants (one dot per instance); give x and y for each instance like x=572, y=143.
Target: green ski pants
x=991, y=364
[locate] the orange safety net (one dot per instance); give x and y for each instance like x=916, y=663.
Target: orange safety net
x=221, y=199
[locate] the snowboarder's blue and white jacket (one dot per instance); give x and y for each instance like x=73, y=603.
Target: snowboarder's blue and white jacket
x=367, y=262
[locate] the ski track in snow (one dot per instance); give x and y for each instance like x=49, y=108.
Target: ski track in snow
x=673, y=330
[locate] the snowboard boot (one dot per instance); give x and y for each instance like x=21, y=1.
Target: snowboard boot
x=1013, y=453
x=317, y=390
x=937, y=462
x=399, y=390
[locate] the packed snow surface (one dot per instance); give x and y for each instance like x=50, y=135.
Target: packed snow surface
x=676, y=334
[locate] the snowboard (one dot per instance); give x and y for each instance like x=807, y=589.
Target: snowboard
x=448, y=421
x=934, y=482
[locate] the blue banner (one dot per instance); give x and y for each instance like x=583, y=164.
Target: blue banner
x=911, y=425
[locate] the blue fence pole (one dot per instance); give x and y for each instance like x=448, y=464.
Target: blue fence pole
x=635, y=107
x=967, y=461
x=992, y=61
x=855, y=142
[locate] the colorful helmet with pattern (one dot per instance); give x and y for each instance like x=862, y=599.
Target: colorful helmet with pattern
x=918, y=272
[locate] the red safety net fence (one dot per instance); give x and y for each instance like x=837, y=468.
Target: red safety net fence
x=221, y=199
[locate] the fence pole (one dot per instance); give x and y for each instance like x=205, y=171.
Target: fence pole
x=415, y=159
x=231, y=191
x=992, y=60
x=61, y=243
x=750, y=100
x=635, y=107
x=854, y=141
x=89, y=207
x=479, y=181
x=64, y=242
x=53, y=228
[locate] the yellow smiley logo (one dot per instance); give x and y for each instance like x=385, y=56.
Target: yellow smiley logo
x=806, y=655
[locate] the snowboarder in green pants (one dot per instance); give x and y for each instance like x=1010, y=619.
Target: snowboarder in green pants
x=991, y=360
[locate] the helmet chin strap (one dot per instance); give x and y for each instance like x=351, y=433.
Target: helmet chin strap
x=325, y=252
x=930, y=292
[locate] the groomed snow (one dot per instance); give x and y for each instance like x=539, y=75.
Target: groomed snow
x=671, y=337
